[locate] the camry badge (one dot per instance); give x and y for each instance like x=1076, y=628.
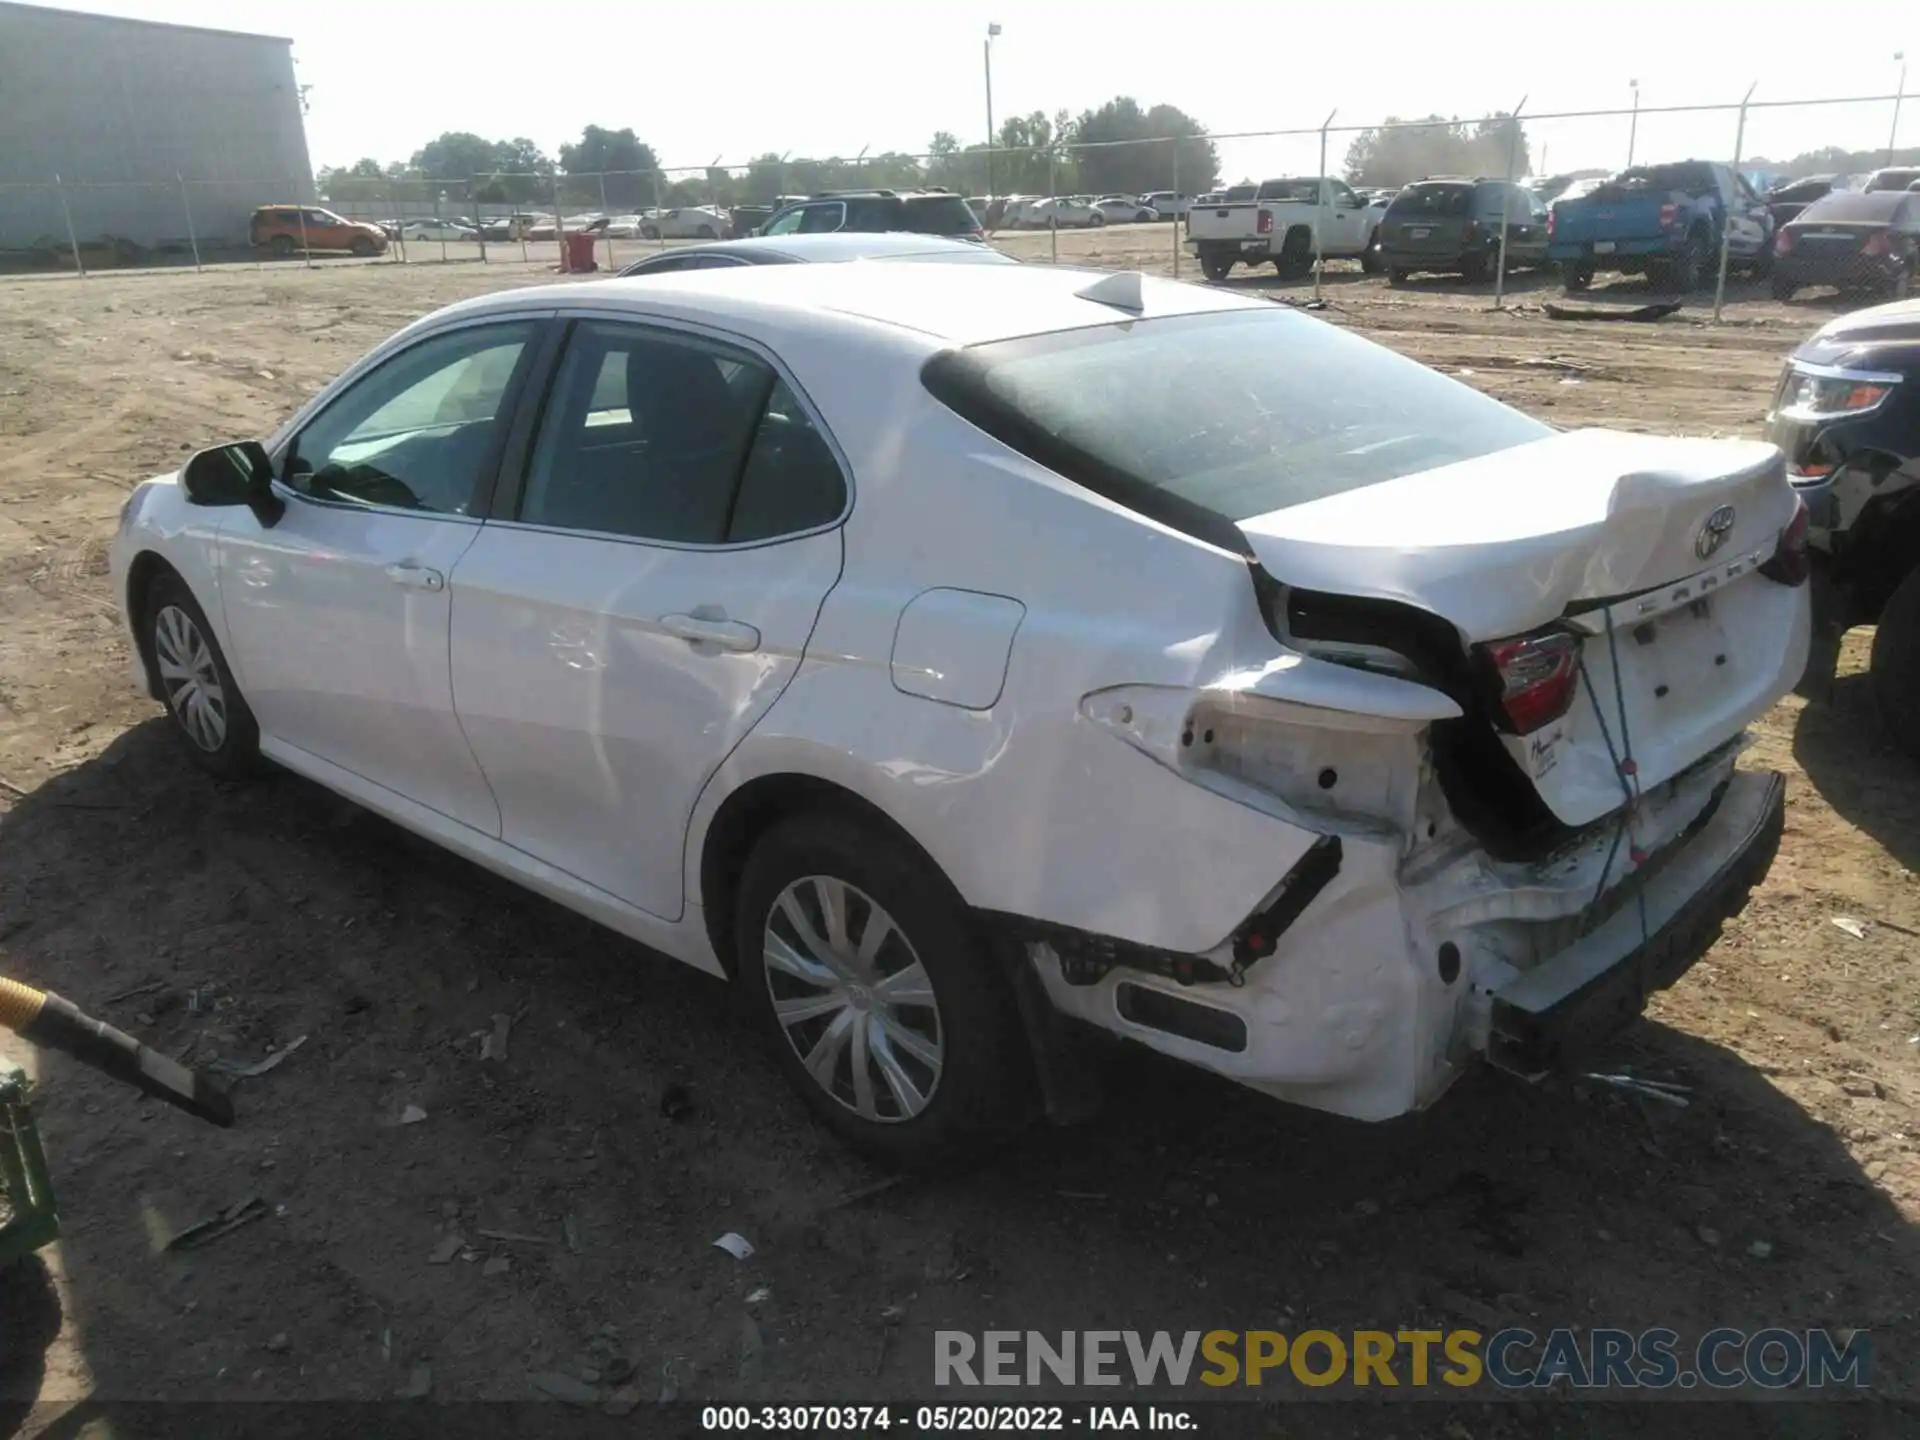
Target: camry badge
x=1714, y=533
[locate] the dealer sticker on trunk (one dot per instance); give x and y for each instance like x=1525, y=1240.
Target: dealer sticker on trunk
x=1543, y=751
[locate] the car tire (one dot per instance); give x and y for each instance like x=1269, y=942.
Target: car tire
x=363, y=247
x=706, y=232
x=1689, y=270
x=1783, y=290
x=1096, y=220
x=649, y=232
x=1398, y=275
x=282, y=245
x=1215, y=267
x=917, y=1081
x=1576, y=275
x=1895, y=665
x=1475, y=270
x=204, y=704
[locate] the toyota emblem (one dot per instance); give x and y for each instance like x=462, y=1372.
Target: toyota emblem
x=1714, y=533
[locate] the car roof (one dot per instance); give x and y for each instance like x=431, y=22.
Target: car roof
x=949, y=304
x=833, y=246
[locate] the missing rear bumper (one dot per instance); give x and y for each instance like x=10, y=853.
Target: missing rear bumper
x=1588, y=991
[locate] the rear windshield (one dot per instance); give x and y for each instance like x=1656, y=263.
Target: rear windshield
x=1878, y=207
x=1291, y=190
x=1196, y=419
x=1432, y=200
x=1892, y=179
x=1693, y=179
x=940, y=215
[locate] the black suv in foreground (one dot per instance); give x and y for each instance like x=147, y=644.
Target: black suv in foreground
x=875, y=212
x=1847, y=414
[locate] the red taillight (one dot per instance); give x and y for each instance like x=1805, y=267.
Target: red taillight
x=1669, y=213
x=1792, y=561
x=1783, y=242
x=1264, y=225
x=1877, y=244
x=1538, y=675
x=1552, y=220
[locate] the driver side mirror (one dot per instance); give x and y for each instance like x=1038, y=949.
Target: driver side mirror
x=238, y=474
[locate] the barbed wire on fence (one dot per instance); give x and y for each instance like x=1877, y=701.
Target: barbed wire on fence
x=129, y=221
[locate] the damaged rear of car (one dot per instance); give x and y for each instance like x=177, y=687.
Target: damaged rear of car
x=1488, y=680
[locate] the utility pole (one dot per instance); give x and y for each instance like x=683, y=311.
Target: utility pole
x=1893, y=135
x=986, y=49
x=1633, y=126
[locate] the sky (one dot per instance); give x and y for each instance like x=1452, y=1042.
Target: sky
x=828, y=77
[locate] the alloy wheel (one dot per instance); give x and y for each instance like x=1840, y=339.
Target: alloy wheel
x=190, y=677
x=853, y=999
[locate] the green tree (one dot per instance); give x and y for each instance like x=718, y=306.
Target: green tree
x=1125, y=150
x=1436, y=146
x=456, y=155
x=627, y=162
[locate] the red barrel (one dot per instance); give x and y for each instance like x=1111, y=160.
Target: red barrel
x=578, y=254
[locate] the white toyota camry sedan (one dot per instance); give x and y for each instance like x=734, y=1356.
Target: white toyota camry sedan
x=967, y=660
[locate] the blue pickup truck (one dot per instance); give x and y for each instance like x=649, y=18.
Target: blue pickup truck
x=1664, y=222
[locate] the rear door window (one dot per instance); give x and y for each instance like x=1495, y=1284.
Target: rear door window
x=940, y=215
x=821, y=219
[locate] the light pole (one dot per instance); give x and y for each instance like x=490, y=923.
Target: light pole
x=1633, y=126
x=986, y=50
x=1893, y=135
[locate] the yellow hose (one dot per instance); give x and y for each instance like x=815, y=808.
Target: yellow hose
x=19, y=1004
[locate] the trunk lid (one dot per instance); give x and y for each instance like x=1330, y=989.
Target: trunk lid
x=1663, y=537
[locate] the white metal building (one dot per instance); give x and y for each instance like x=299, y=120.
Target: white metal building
x=155, y=132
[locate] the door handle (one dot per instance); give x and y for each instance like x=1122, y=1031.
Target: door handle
x=735, y=635
x=416, y=577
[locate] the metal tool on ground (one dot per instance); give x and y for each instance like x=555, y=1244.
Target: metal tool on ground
x=53, y=1023
x=28, y=1216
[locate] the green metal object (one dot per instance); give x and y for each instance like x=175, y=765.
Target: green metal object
x=27, y=1206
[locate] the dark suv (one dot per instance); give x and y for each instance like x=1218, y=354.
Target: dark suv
x=1453, y=226
x=1847, y=414
x=875, y=212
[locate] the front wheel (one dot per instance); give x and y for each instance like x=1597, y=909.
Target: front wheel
x=1095, y=220
x=706, y=232
x=649, y=232
x=880, y=1003
x=1895, y=666
x=209, y=713
x=363, y=247
x=282, y=245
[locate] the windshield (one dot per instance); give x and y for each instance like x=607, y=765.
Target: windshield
x=1291, y=190
x=1227, y=415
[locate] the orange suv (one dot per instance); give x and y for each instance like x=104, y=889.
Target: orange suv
x=283, y=230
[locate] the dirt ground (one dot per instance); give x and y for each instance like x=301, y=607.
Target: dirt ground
x=238, y=921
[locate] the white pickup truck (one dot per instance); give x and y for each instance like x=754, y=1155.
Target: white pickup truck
x=1276, y=220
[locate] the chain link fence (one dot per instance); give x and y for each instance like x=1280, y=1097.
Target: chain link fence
x=81, y=226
